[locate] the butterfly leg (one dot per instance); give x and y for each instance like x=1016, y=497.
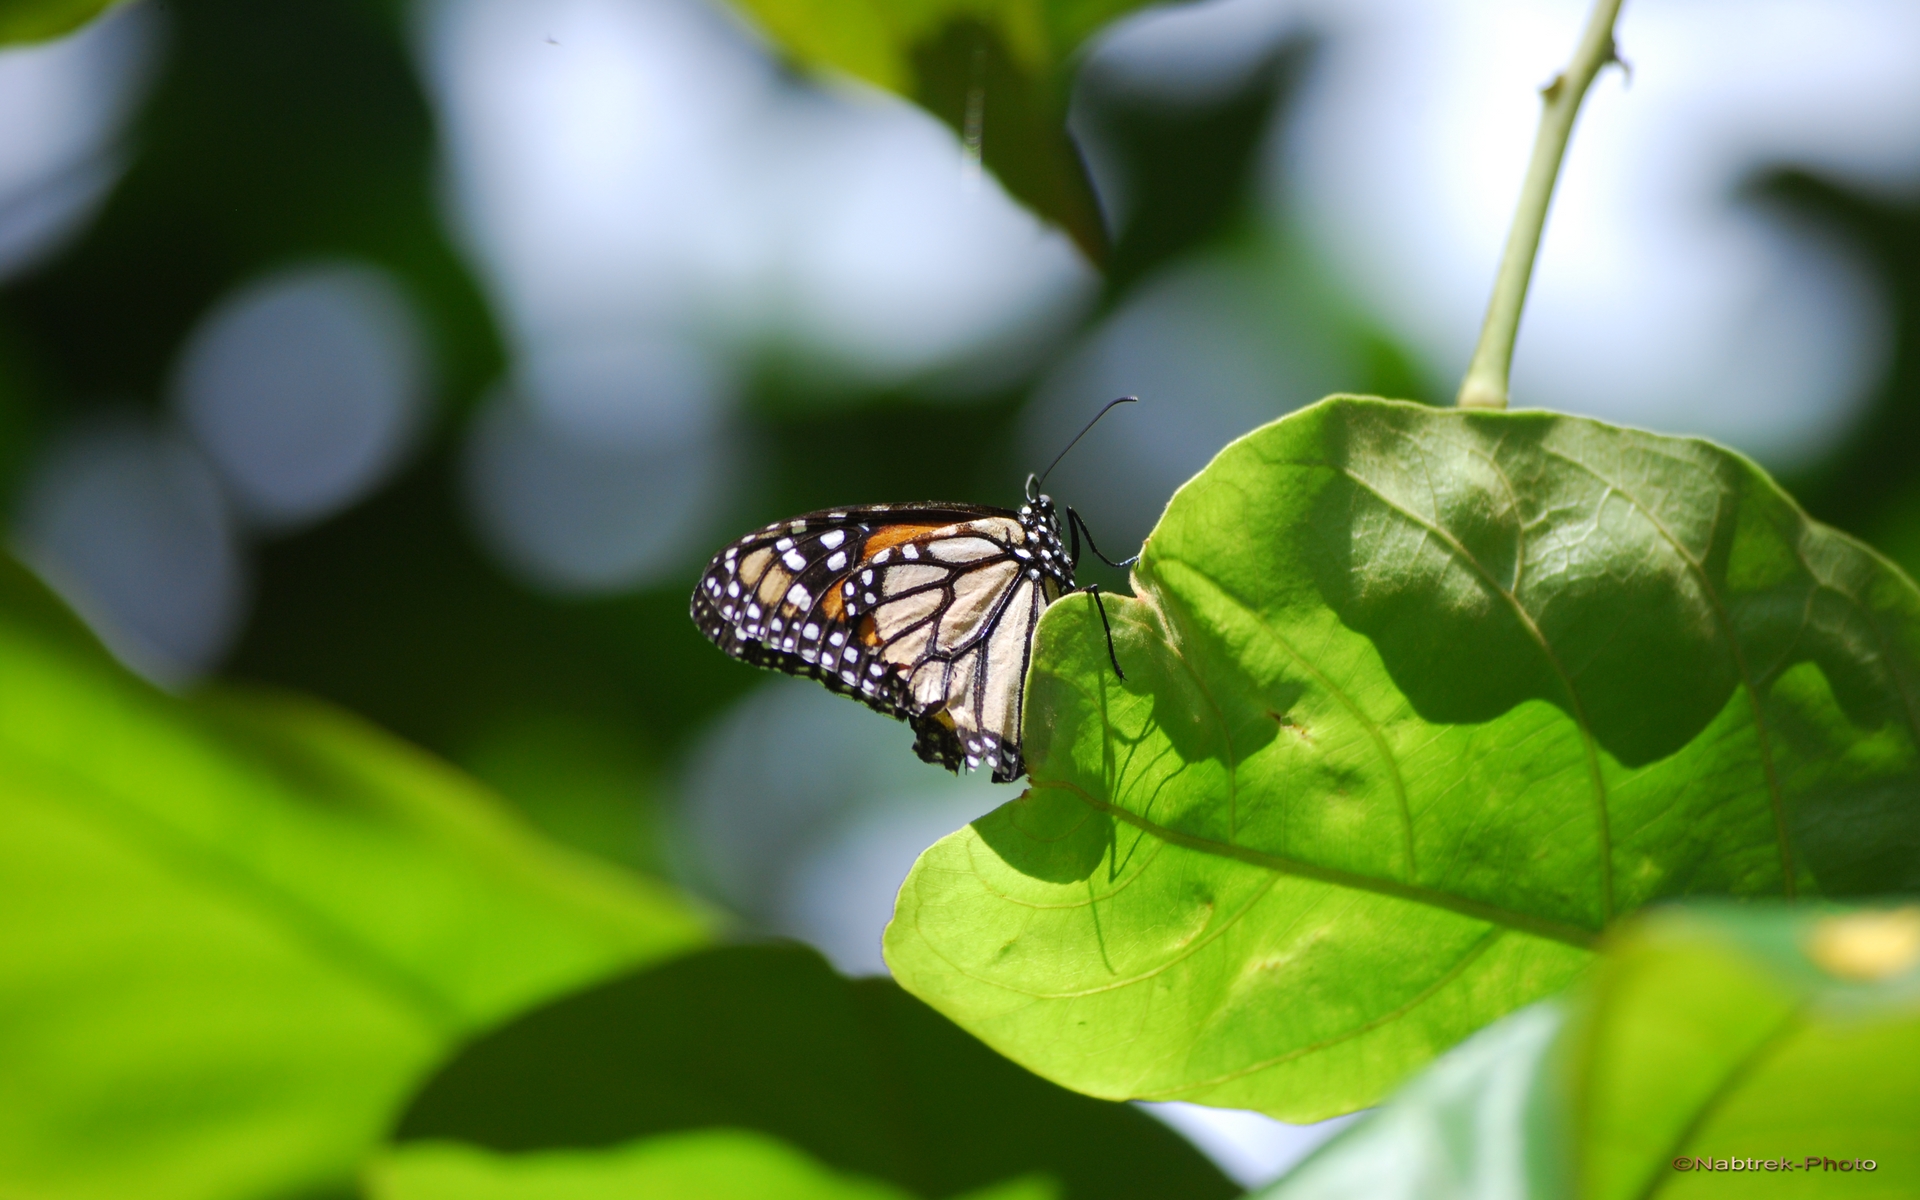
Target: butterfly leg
x=1113, y=658
x=1076, y=525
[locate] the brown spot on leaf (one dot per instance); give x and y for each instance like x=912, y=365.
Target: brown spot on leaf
x=1287, y=722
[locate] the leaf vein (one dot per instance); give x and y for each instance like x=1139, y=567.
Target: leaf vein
x=1558, y=931
x=1553, y=661
x=1776, y=800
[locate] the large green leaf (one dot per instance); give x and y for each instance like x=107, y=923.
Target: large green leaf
x=1711, y=1047
x=855, y=1073
x=715, y=1164
x=37, y=20
x=1417, y=702
x=995, y=70
x=239, y=929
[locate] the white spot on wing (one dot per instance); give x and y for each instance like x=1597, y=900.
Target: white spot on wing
x=962, y=549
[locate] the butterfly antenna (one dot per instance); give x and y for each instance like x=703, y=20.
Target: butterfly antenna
x=1083, y=432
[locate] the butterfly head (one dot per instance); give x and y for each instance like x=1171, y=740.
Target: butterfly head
x=1039, y=505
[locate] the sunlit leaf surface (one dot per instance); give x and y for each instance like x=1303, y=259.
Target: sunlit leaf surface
x=719, y=1164
x=1720, y=1038
x=38, y=20
x=995, y=71
x=240, y=928
x=1417, y=703
x=854, y=1073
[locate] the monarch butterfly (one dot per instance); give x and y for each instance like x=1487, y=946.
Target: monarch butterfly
x=924, y=612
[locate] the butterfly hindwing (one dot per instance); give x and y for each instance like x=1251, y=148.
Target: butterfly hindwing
x=924, y=612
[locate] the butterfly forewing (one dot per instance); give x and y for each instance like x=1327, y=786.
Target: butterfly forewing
x=924, y=612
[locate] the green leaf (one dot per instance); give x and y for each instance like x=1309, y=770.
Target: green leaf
x=993, y=69
x=856, y=1073
x=1482, y=1123
x=38, y=20
x=1716, y=1036
x=1417, y=703
x=716, y=1164
x=240, y=928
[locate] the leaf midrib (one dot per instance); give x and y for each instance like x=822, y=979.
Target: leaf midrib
x=1790, y=1023
x=1558, y=931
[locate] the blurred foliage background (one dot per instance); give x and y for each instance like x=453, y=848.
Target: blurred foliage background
x=415, y=356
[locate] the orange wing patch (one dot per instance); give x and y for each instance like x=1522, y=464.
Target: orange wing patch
x=833, y=606
x=888, y=536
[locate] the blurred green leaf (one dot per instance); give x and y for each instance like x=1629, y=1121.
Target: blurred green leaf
x=1482, y=1123
x=856, y=1073
x=1759, y=1035
x=1866, y=483
x=38, y=20
x=716, y=1164
x=582, y=782
x=1417, y=703
x=997, y=71
x=1195, y=172
x=239, y=928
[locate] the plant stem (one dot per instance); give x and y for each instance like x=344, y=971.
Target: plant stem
x=1485, y=385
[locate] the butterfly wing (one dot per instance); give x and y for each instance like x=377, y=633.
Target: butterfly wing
x=924, y=612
